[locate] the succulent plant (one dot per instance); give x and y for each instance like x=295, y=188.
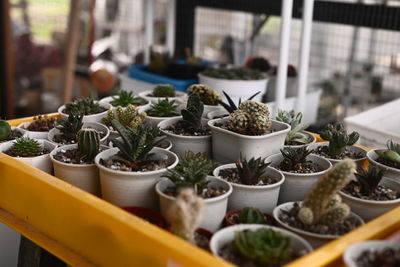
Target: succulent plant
x=125, y=98
x=322, y=204
x=136, y=144
x=264, y=246
x=207, y=164
x=294, y=158
x=251, y=172
x=41, y=124
x=293, y=119
x=185, y=214
x=25, y=147
x=231, y=106
x=191, y=116
x=83, y=106
x=164, y=90
x=128, y=116
x=338, y=139
x=70, y=127
x=392, y=153
x=368, y=179
x=5, y=130
x=234, y=73
x=163, y=108
x=252, y=216
x=207, y=95
x=88, y=144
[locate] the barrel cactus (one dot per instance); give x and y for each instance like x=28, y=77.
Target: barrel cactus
x=5, y=131
x=88, y=144
x=25, y=147
x=207, y=95
x=128, y=116
x=164, y=90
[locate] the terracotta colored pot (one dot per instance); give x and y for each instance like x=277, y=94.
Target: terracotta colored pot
x=149, y=215
x=228, y=220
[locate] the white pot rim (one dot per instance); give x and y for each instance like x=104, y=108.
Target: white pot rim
x=254, y=137
x=170, y=121
x=102, y=104
x=208, y=200
x=27, y=123
x=126, y=173
x=71, y=165
x=42, y=143
x=277, y=211
x=360, y=149
x=252, y=187
x=371, y=155
x=200, y=75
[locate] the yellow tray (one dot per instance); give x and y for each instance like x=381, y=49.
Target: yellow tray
x=84, y=230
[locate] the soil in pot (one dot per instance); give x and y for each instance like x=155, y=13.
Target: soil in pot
x=324, y=152
x=202, y=238
x=180, y=129
x=208, y=192
x=64, y=140
x=232, y=175
x=381, y=193
x=117, y=163
x=388, y=163
x=387, y=257
x=41, y=124
x=306, y=167
x=337, y=229
x=14, y=135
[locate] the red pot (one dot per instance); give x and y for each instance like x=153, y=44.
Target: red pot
x=228, y=220
x=149, y=215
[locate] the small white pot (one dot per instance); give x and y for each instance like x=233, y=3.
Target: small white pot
x=108, y=100
x=84, y=176
x=316, y=240
x=88, y=118
x=181, y=144
x=227, y=235
x=236, y=88
x=131, y=188
x=33, y=134
x=42, y=162
x=357, y=149
x=370, y=209
x=154, y=121
x=93, y=125
x=228, y=145
x=214, y=209
x=354, y=251
x=179, y=96
x=262, y=197
x=216, y=114
x=312, y=138
x=297, y=185
x=389, y=171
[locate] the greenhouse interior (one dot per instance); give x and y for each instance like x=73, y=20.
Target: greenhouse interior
x=185, y=133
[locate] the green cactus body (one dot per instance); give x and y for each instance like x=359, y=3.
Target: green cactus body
x=88, y=144
x=207, y=95
x=239, y=121
x=252, y=107
x=338, y=138
x=25, y=147
x=252, y=215
x=5, y=131
x=83, y=106
x=128, y=116
x=338, y=213
x=164, y=90
x=259, y=123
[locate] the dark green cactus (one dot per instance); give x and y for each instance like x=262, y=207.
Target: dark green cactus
x=251, y=215
x=191, y=116
x=369, y=179
x=70, y=127
x=125, y=98
x=88, y=144
x=293, y=119
x=25, y=147
x=338, y=138
x=392, y=153
x=5, y=130
x=231, y=106
x=164, y=90
x=207, y=95
x=207, y=164
x=163, y=108
x=128, y=116
x=294, y=158
x=83, y=106
x=263, y=246
x=251, y=172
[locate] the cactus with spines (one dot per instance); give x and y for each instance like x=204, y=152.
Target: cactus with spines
x=25, y=147
x=83, y=106
x=164, y=90
x=207, y=95
x=231, y=106
x=338, y=139
x=128, y=116
x=125, y=98
x=253, y=107
x=5, y=131
x=251, y=215
x=70, y=127
x=322, y=204
x=88, y=144
x=185, y=214
x=264, y=246
x=239, y=121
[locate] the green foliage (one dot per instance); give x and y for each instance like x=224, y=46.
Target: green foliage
x=70, y=127
x=251, y=172
x=128, y=116
x=163, y=108
x=264, y=246
x=391, y=154
x=191, y=116
x=294, y=158
x=252, y=216
x=294, y=119
x=88, y=144
x=338, y=138
x=5, y=130
x=369, y=179
x=164, y=90
x=125, y=98
x=25, y=147
x=207, y=95
x=207, y=164
x=83, y=106
x=234, y=73
x=231, y=106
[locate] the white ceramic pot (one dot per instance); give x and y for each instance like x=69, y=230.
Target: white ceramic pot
x=42, y=162
x=216, y=114
x=297, y=185
x=84, y=176
x=236, y=88
x=316, y=240
x=228, y=145
x=93, y=125
x=389, y=171
x=357, y=149
x=371, y=209
x=354, y=251
x=264, y=197
x=181, y=144
x=154, y=121
x=312, y=138
x=131, y=188
x=226, y=235
x=33, y=134
x=214, y=209
x=179, y=96
x=108, y=100
x=88, y=118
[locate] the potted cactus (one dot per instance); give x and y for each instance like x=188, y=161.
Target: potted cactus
x=34, y=152
x=237, y=82
x=75, y=163
x=248, y=215
x=8, y=133
x=40, y=126
x=123, y=99
x=66, y=130
x=254, y=184
x=129, y=172
x=322, y=216
x=248, y=131
x=301, y=171
x=387, y=159
x=92, y=111
x=188, y=132
x=258, y=245
x=160, y=110
x=296, y=137
x=191, y=172
x=371, y=194
x=163, y=91
x=208, y=97
x=340, y=145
